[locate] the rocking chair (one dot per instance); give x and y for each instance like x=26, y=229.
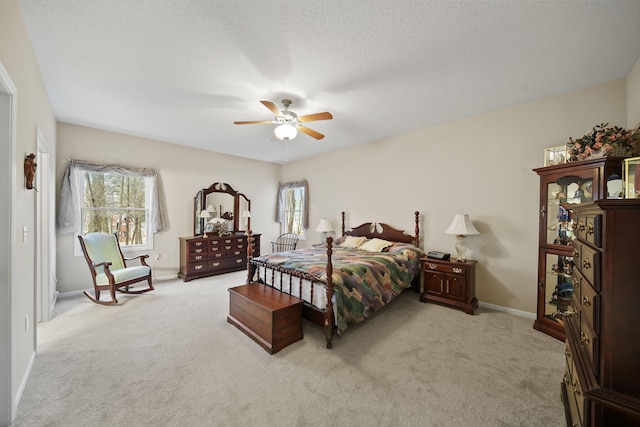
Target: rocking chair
x=109, y=267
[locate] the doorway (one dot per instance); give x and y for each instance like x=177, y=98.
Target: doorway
x=7, y=239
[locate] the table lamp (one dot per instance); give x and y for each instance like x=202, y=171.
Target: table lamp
x=324, y=226
x=461, y=226
x=205, y=214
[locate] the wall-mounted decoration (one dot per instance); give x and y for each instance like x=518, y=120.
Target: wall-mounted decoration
x=30, y=166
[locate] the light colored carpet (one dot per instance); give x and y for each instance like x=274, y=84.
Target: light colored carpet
x=169, y=358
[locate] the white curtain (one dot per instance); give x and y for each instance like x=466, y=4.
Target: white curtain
x=71, y=194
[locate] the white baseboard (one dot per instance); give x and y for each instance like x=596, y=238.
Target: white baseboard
x=507, y=310
x=69, y=294
x=23, y=383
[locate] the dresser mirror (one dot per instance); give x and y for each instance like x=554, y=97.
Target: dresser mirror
x=224, y=206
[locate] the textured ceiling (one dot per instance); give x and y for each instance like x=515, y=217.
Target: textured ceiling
x=183, y=71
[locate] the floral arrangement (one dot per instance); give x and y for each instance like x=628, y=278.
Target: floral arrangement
x=604, y=140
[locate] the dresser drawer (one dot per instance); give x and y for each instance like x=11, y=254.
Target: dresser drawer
x=588, y=305
x=588, y=263
x=589, y=229
x=216, y=252
x=227, y=262
x=198, y=257
x=590, y=342
x=195, y=244
x=197, y=267
x=197, y=250
x=573, y=390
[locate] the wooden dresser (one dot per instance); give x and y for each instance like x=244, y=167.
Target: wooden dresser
x=601, y=385
x=202, y=257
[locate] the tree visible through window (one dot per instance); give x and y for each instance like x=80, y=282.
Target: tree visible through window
x=293, y=212
x=116, y=203
x=292, y=208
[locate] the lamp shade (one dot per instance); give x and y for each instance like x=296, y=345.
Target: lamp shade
x=205, y=214
x=324, y=226
x=246, y=214
x=286, y=132
x=461, y=226
x=211, y=209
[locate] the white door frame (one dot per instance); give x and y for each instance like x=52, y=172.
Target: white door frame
x=8, y=109
x=45, y=253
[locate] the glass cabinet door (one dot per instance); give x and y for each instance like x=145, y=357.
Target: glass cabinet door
x=561, y=194
x=558, y=287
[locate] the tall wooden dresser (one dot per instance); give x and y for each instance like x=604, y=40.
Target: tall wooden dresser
x=601, y=386
x=202, y=257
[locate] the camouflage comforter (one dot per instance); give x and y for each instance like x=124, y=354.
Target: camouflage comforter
x=363, y=282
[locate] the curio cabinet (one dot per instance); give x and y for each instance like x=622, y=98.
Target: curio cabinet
x=562, y=187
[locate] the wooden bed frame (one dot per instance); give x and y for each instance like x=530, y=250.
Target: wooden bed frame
x=324, y=317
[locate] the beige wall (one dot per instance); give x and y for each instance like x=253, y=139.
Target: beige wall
x=33, y=112
x=183, y=171
x=480, y=165
x=633, y=96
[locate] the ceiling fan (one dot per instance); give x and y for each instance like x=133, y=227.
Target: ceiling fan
x=289, y=121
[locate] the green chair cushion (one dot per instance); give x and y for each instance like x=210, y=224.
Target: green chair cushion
x=124, y=274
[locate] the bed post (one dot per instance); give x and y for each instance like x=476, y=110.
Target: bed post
x=250, y=267
x=417, y=229
x=328, y=312
x=343, y=223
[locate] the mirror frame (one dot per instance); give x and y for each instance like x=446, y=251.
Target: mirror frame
x=218, y=187
x=236, y=208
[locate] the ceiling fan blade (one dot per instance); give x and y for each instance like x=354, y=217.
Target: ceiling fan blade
x=312, y=133
x=254, y=122
x=271, y=106
x=317, y=116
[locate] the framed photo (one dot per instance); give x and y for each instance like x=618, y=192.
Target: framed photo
x=208, y=228
x=631, y=177
x=555, y=155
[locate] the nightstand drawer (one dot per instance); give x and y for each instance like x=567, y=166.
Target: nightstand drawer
x=446, y=268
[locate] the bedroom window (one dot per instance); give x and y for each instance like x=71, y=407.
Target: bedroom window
x=293, y=207
x=116, y=203
x=111, y=199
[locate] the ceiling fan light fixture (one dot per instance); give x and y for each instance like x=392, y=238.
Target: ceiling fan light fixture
x=285, y=132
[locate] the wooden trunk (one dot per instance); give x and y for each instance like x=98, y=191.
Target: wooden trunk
x=271, y=318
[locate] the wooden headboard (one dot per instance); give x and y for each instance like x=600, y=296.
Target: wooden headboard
x=384, y=231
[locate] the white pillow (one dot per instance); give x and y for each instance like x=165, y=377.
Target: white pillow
x=353, y=242
x=375, y=245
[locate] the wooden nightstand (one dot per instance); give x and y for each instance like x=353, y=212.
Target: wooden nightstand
x=449, y=282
